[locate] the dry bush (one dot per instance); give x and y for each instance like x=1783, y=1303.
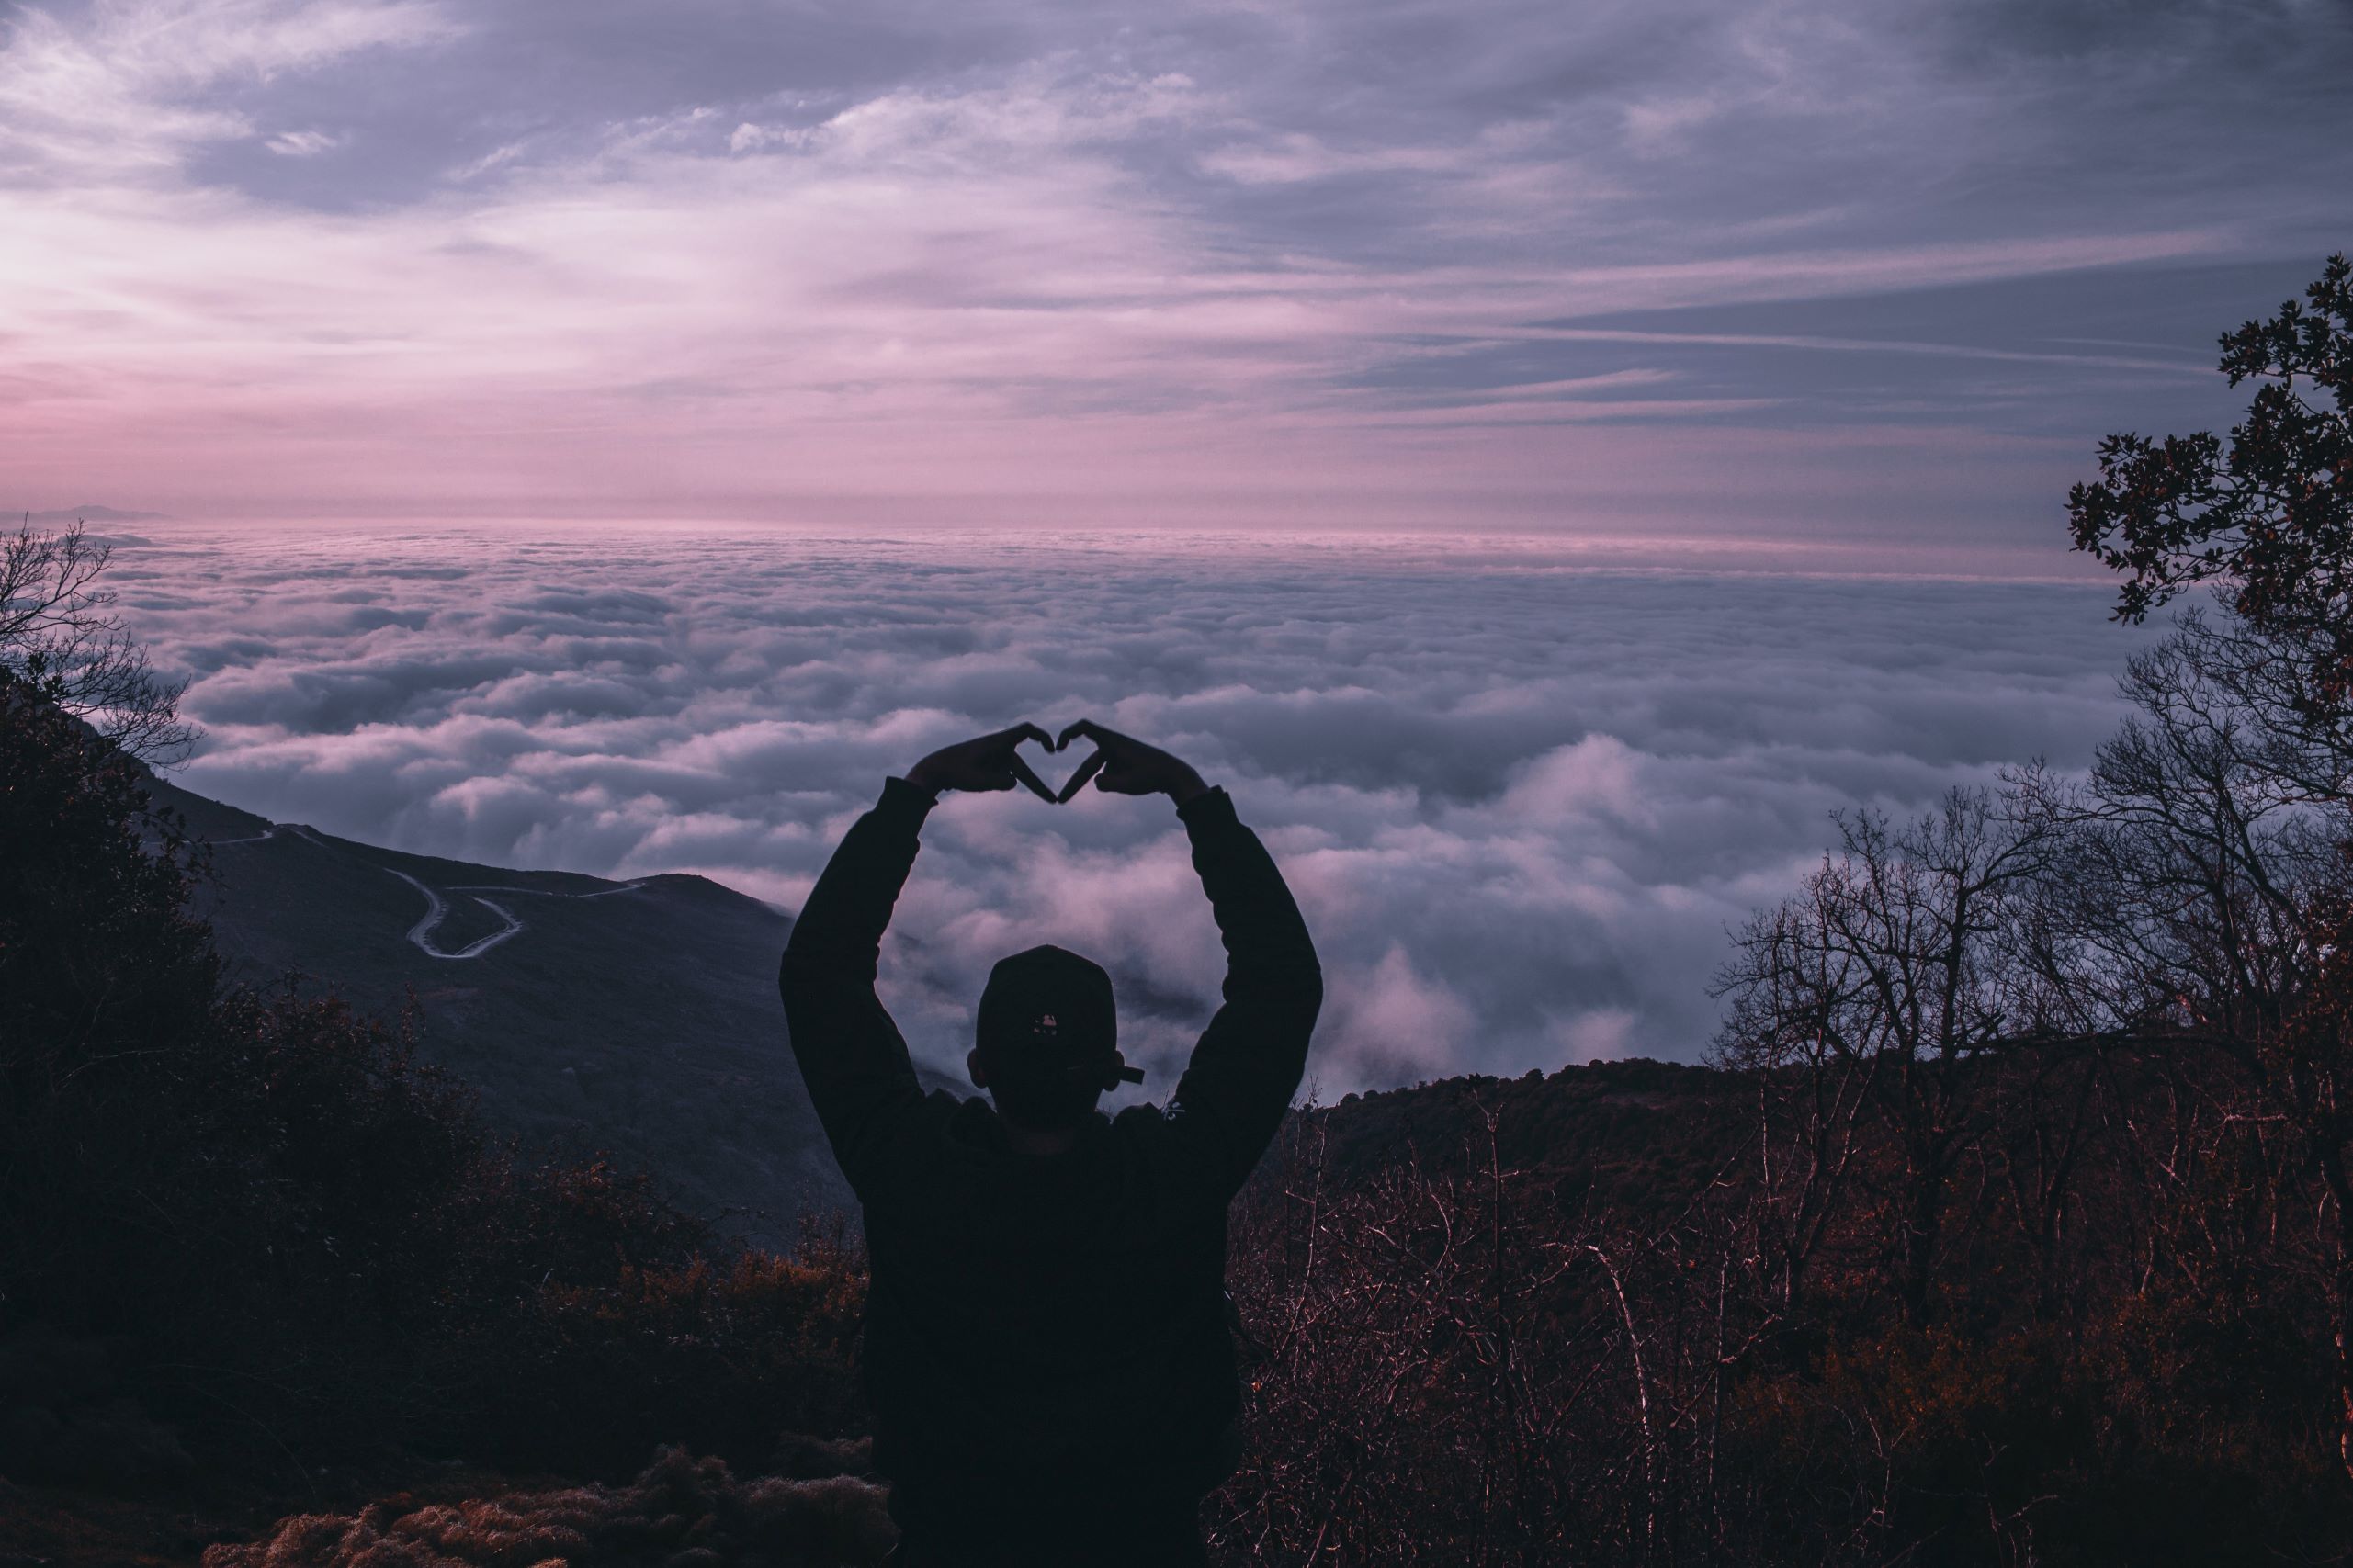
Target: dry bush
x=720, y=1351
x=1455, y=1365
x=1453, y=1359
x=682, y=1512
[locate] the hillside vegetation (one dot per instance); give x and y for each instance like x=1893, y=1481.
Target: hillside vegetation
x=255, y=1220
x=636, y=1020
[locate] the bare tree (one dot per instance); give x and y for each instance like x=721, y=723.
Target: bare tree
x=1447, y=1363
x=1786, y=987
x=2202, y=898
x=1877, y=985
x=2310, y=1075
x=60, y=631
x=2195, y=848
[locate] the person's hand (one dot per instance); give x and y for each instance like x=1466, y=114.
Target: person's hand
x=1125, y=765
x=988, y=762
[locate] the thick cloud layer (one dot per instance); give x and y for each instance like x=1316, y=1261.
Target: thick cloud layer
x=1521, y=795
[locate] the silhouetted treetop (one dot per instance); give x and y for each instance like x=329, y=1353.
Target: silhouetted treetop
x=61, y=634
x=2269, y=517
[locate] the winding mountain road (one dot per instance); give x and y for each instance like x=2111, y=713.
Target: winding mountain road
x=437, y=907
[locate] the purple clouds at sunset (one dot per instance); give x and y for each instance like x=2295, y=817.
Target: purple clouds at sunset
x=1764, y=272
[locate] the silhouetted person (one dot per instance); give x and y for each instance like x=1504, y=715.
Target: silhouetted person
x=1046, y=1344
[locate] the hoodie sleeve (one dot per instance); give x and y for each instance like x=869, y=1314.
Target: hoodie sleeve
x=851, y=1054
x=1249, y=1061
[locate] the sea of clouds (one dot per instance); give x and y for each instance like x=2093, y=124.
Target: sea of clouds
x=1521, y=790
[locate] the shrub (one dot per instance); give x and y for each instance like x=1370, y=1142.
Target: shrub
x=682, y=1512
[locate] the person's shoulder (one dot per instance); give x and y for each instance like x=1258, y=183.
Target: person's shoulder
x=1172, y=1155
x=901, y=1162
x=1140, y=1121
x=1159, y=1133
x=942, y=1107
x=914, y=1121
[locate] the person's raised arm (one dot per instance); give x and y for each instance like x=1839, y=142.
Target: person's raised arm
x=851, y=1054
x=1249, y=1060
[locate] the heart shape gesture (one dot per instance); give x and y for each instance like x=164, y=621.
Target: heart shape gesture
x=1125, y=765
x=986, y=763
x=1121, y=765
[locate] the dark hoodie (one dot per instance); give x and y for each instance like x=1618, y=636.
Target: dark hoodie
x=1047, y=1347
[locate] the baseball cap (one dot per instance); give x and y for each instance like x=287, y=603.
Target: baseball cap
x=1047, y=1015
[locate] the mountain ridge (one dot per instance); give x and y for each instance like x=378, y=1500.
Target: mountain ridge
x=634, y=1019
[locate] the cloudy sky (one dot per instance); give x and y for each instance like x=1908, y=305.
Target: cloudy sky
x=1787, y=268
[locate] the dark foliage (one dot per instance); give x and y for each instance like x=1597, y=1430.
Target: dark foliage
x=2273, y=516
x=295, y=1242
x=1465, y=1343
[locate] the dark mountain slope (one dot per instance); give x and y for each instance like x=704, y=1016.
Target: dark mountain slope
x=638, y=1018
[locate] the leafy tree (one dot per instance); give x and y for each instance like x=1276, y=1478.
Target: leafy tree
x=2270, y=518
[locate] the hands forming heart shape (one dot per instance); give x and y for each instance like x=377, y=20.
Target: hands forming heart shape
x=1121, y=765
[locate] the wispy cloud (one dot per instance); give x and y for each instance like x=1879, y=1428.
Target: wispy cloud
x=2176, y=365
x=302, y=143
x=265, y=253
x=127, y=87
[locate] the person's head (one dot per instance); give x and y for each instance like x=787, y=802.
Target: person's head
x=1047, y=1044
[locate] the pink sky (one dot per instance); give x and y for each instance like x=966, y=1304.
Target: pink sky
x=1101, y=274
